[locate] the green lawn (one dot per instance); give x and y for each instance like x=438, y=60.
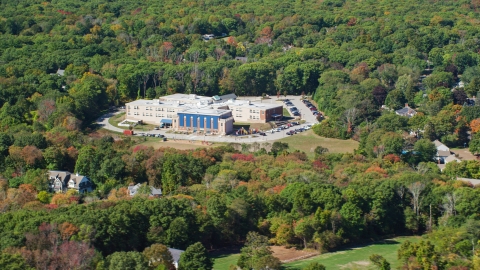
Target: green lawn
x=286, y=112
x=307, y=141
x=114, y=120
x=223, y=262
x=357, y=257
x=351, y=258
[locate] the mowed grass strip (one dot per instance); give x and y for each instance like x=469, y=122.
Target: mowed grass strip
x=357, y=257
x=307, y=142
x=223, y=262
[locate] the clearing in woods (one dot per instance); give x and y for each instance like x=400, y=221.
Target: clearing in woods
x=307, y=141
x=349, y=258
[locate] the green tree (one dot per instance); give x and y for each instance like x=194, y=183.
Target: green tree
x=195, y=257
x=304, y=229
x=13, y=262
x=426, y=149
x=177, y=233
x=380, y=262
x=89, y=95
x=314, y=266
x=256, y=254
x=158, y=254
x=126, y=261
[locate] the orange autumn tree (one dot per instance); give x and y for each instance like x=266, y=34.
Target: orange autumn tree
x=475, y=125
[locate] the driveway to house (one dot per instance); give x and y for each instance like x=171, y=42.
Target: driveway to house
x=271, y=137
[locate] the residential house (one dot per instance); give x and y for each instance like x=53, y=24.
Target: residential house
x=242, y=59
x=442, y=152
x=176, y=255
x=472, y=181
x=406, y=111
x=154, y=192
x=440, y=146
x=451, y=158
x=61, y=181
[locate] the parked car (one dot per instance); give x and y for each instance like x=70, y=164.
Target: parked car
x=299, y=130
x=315, y=113
x=262, y=134
x=291, y=132
x=286, y=100
x=156, y=128
x=295, y=123
x=289, y=104
x=272, y=131
x=296, y=113
x=278, y=129
x=159, y=135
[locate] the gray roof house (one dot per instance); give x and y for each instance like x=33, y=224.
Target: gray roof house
x=61, y=181
x=175, y=255
x=440, y=146
x=154, y=192
x=406, y=111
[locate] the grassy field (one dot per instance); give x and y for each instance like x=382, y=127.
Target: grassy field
x=223, y=262
x=357, y=257
x=286, y=113
x=351, y=258
x=114, y=120
x=307, y=141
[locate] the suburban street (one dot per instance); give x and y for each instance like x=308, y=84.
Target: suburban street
x=270, y=137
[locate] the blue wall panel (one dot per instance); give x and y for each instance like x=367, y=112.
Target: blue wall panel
x=203, y=121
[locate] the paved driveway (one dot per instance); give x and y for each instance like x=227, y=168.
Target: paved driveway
x=306, y=114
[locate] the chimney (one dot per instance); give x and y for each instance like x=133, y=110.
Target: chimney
x=406, y=105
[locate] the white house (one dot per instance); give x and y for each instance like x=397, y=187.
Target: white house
x=176, y=255
x=154, y=192
x=440, y=146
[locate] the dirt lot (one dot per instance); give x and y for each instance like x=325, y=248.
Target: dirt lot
x=178, y=144
x=463, y=154
x=291, y=254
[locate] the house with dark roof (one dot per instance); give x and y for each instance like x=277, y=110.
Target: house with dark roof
x=406, y=111
x=61, y=181
x=154, y=192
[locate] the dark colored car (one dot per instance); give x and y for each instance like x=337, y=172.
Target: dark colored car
x=262, y=134
x=296, y=113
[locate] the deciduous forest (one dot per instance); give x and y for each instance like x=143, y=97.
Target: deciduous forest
x=65, y=63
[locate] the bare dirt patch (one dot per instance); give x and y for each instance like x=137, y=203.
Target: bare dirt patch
x=178, y=144
x=291, y=254
x=463, y=154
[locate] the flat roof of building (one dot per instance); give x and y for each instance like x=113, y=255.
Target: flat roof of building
x=160, y=103
x=215, y=112
x=249, y=104
x=186, y=98
x=198, y=103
